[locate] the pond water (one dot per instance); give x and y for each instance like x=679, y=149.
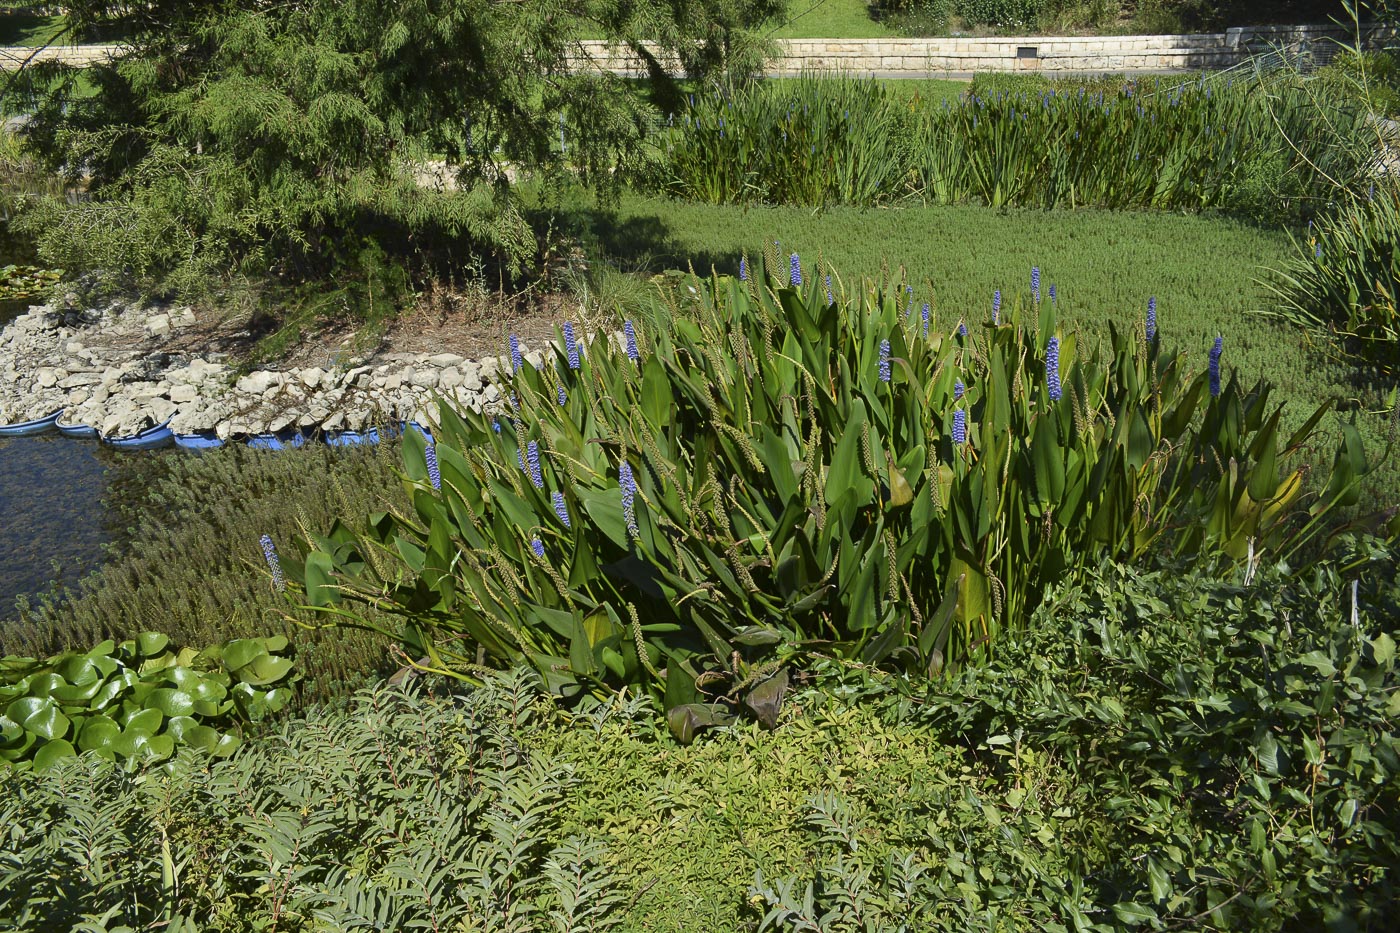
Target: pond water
x=51, y=513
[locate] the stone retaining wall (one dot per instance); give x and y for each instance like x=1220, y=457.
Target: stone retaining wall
x=959, y=56
x=963, y=56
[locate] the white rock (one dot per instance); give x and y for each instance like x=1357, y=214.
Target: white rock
x=80, y=379
x=443, y=360
x=183, y=394
x=312, y=377
x=47, y=377
x=157, y=325
x=426, y=378
x=160, y=409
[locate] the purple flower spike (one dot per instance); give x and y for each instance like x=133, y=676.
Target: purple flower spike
x=563, y=396
x=537, y=546
x=532, y=456
x=628, y=485
x=959, y=427
x=1035, y=283
x=743, y=268
x=1317, y=251
x=434, y=475
x=571, y=344
x=1052, y=368
x=279, y=582
x=1215, y=352
x=829, y=300
x=962, y=328
x=884, y=361
x=1151, y=319
x=795, y=271
x=958, y=390
x=561, y=508
x=926, y=318
x=516, y=360
x=630, y=333
x=996, y=306
x=1052, y=294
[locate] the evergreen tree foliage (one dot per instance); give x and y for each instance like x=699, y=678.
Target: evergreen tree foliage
x=291, y=138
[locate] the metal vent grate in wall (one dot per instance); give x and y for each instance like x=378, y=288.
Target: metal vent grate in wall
x=1027, y=51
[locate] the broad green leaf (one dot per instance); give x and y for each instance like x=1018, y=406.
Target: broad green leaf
x=50, y=753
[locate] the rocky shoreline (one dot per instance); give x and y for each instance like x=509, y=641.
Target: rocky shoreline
x=106, y=369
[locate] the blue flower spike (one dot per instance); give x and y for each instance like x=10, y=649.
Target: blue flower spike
x=795, y=271
x=561, y=508
x=532, y=457
x=434, y=475
x=996, y=306
x=1035, y=283
x=571, y=345
x=884, y=371
x=630, y=333
x=628, y=486
x=959, y=428
x=279, y=582
x=1151, y=319
x=537, y=546
x=1052, y=369
x=516, y=360
x=1215, y=352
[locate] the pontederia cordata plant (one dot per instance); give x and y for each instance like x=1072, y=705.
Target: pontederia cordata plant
x=777, y=475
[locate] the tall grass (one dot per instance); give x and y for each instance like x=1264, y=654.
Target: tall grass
x=1343, y=279
x=190, y=564
x=1166, y=143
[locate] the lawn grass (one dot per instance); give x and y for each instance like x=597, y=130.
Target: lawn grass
x=29, y=30
x=1204, y=271
x=825, y=19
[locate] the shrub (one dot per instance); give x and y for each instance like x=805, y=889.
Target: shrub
x=787, y=471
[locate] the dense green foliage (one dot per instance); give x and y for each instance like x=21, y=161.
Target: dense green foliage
x=791, y=471
x=190, y=565
x=1260, y=146
x=289, y=140
x=406, y=813
x=1165, y=749
x=140, y=699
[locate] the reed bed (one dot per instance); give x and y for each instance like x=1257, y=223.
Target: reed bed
x=1260, y=145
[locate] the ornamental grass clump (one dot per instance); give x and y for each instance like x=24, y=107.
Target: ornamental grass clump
x=780, y=477
x=1342, y=283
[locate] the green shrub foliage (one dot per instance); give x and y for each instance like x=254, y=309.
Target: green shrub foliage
x=138, y=700
x=1169, y=751
x=290, y=139
x=408, y=812
x=1256, y=145
x=787, y=471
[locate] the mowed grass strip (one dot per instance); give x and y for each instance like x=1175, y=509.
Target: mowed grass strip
x=1203, y=271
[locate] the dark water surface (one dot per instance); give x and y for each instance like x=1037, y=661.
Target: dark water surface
x=51, y=490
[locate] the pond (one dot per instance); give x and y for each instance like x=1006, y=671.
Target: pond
x=51, y=513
